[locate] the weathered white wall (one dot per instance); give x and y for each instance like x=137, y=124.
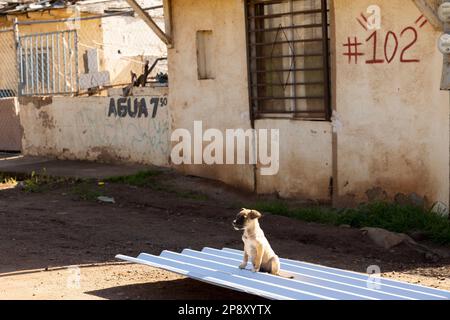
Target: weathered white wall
x=395, y=120
x=81, y=128
x=305, y=160
x=221, y=103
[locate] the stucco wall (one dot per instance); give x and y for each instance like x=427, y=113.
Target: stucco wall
x=10, y=129
x=221, y=103
x=395, y=120
x=392, y=128
x=305, y=160
x=90, y=128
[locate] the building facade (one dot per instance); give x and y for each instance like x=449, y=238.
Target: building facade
x=381, y=124
x=352, y=86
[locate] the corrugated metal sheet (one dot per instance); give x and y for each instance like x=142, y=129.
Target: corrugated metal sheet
x=311, y=281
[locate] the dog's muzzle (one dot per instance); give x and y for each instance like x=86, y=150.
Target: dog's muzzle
x=236, y=226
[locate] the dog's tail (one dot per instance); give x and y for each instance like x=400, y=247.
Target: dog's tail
x=285, y=275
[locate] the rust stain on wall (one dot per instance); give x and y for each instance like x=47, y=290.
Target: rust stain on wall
x=103, y=154
x=47, y=121
x=38, y=102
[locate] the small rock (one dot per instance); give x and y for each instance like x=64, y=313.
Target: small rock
x=441, y=209
x=345, y=226
x=386, y=239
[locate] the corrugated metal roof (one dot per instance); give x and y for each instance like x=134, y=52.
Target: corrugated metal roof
x=311, y=281
x=29, y=6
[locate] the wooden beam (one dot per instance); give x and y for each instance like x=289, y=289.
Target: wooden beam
x=149, y=21
x=167, y=4
x=429, y=9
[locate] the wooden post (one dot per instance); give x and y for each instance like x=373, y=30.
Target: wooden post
x=149, y=21
x=18, y=57
x=167, y=4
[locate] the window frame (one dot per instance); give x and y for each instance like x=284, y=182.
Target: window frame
x=256, y=111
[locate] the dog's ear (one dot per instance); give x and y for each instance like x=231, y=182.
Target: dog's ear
x=255, y=214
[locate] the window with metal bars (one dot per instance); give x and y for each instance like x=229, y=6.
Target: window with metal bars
x=288, y=51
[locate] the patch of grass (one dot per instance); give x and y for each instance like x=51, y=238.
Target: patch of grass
x=87, y=191
x=147, y=179
x=40, y=182
x=389, y=216
x=140, y=179
x=192, y=195
x=4, y=179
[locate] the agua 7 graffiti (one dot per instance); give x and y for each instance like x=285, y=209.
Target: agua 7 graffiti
x=135, y=107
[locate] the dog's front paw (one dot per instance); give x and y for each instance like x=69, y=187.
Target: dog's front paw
x=255, y=270
x=242, y=266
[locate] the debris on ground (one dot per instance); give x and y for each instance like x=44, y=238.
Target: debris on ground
x=106, y=199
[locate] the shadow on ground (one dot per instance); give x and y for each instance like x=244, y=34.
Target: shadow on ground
x=171, y=290
x=57, y=228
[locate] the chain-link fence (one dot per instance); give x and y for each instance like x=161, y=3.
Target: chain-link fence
x=9, y=74
x=85, y=53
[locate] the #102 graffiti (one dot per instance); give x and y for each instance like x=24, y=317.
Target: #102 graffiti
x=395, y=46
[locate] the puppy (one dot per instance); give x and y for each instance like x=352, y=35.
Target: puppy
x=256, y=246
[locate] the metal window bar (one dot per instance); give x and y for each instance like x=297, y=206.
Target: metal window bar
x=288, y=58
x=45, y=68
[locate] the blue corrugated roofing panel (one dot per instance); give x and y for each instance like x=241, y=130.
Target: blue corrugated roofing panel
x=311, y=281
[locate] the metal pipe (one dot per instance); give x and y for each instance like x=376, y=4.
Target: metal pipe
x=27, y=67
x=69, y=42
x=125, y=13
x=53, y=63
x=36, y=76
x=42, y=65
x=64, y=61
x=48, y=65
x=31, y=65
x=58, y=60
x=76, y=62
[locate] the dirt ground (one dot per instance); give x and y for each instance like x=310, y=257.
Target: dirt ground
x=44, y=234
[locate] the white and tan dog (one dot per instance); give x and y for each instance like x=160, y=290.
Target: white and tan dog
x=256, y=247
